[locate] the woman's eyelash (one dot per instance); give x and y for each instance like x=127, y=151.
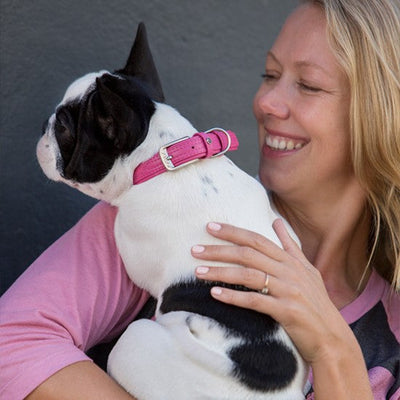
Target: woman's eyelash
x=267, y=76
x=302, y=85
x=308, y=87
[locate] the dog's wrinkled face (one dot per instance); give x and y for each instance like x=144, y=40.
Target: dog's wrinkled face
x=102, y=117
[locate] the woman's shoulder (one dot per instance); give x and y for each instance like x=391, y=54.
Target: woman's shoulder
x=378, y=301
x=386, y=303
x=391, y=304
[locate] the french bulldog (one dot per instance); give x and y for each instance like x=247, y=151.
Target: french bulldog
x=106, y=129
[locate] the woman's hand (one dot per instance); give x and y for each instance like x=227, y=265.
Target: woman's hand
x=296, y=297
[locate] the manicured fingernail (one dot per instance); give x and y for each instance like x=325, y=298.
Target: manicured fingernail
x=202, y=270
x=216, y=291
x=213, y=226
x=198, y=249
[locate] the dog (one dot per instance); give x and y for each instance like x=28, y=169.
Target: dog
x=112, y=126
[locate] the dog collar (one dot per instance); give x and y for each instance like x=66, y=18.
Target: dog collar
x=187, y=150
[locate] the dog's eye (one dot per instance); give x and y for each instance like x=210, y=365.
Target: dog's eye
x=64, y=128
x=62, y=121
x=58, y=126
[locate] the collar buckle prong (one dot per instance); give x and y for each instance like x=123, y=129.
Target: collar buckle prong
x=166, y=158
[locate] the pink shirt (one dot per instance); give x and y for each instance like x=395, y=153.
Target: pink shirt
x=77, y=294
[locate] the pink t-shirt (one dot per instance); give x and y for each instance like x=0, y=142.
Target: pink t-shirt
x=77, y=294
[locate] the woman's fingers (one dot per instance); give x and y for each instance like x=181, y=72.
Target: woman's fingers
x=239, y=255
x=252, y=300
x=291, y=247
x=249, y=277
x=253, y=250
x=288, y=243
x=245, y=238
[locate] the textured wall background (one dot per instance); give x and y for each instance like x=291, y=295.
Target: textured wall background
x=209, y=53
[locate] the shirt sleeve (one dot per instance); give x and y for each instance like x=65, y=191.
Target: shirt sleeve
x=75, y=295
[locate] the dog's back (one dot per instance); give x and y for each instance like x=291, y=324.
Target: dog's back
x=198, y=338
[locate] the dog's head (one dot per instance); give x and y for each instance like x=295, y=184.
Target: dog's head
x=102, y=118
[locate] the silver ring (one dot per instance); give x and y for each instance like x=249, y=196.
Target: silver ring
x=265, y=288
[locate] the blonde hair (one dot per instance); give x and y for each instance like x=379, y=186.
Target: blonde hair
x=365, y=36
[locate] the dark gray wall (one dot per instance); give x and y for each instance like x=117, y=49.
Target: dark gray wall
x=210, y=54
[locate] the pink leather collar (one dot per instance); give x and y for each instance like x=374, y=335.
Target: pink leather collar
x=179, y=153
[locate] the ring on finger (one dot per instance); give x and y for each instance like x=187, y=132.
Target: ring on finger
x=265, y=288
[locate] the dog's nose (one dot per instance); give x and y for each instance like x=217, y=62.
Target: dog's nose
x=44, y=126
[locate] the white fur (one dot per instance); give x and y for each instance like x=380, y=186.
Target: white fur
x=80, y=86
x=182, y=355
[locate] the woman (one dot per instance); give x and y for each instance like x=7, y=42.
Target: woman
x=329, y=132
x=331, y=102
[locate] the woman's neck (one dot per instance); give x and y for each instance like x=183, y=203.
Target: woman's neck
x=334, y=233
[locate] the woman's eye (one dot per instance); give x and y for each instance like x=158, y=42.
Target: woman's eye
x=309, y=88
x=269, y=77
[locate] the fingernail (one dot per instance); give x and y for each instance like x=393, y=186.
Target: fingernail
x=202, y=270
x=216, y=291
x=213, y=226
x=198, y=249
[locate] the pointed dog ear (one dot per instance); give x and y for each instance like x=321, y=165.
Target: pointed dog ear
x=112, y=111
x=141, y=65
x=120, y=113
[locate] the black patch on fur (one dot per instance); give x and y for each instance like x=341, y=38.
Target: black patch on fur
x=110, y=122
x=195, y=297
x=112, y=119
x=261, y=363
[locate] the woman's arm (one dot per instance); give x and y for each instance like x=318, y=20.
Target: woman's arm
x=297, y=298
x=79, y=381
x=75, y=295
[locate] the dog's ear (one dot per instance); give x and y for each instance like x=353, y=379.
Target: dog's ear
x=119, y=112
x=111, y=110
x=141, y=65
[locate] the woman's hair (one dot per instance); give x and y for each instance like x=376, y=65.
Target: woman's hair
x=365, y=36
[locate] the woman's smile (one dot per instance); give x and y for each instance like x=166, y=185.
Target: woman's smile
x=277, y=144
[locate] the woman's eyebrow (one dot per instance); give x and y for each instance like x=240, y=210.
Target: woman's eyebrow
x=311, y=64
x=272, y=55
x=300, y=63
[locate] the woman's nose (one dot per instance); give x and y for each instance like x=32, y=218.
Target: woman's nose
x=273, y=101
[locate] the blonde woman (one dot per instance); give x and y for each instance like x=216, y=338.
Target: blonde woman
x=329, y=134
x=328, y=115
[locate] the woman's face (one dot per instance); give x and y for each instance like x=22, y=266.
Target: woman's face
x=302, y=111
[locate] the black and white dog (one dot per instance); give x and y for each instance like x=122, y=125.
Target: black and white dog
x=106, y=127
